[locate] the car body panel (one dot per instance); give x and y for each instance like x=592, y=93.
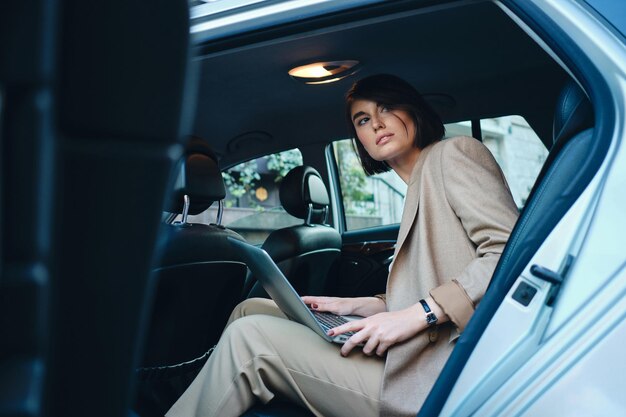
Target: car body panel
x=536, y=346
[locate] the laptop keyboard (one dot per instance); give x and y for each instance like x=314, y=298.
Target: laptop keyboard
x=329, y=320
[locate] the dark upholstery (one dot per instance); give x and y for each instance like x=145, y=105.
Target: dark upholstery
x=199, y=178
x=573, y=113
x=199, y=278
x=91, y=118
x=572, y=162
x=303, y=186
x=304, y=252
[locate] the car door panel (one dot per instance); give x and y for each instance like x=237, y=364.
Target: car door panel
x=363, y=266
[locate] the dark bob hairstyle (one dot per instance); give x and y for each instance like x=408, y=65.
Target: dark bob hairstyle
x=395, y=94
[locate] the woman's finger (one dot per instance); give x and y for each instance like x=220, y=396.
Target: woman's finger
x=371, y=346
x=352, y=342
x=381, y=350
x=351, y=326
x=309, y=299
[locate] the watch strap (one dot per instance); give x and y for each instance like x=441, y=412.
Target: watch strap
x=431, y=318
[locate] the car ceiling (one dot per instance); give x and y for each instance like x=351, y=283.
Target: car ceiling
x=469, y=60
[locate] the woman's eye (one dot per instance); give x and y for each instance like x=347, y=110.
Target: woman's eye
x=362, y=121
x=384, y=109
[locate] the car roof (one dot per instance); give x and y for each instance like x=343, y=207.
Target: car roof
x=470, y=60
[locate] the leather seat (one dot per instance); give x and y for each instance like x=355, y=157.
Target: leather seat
x=573, y=160
x=199, y=278
x=304, y=252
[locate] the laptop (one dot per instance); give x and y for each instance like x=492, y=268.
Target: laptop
x=278, y=287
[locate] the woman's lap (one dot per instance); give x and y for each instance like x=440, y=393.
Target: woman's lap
x=264, y=353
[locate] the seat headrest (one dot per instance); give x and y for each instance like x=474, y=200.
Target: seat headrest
x=302, y=186
x=199, y=177
x=573, y=113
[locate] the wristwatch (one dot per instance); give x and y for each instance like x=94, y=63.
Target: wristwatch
x=431, y=318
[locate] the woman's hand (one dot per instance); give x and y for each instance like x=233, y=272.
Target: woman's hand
x=361, y=306
x=383, y=330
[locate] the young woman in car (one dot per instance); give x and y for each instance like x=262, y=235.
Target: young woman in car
x=457, y=217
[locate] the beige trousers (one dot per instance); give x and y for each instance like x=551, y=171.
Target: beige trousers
x=262, y=354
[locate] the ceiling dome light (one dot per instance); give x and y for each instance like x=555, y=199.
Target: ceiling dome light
x=324, y=72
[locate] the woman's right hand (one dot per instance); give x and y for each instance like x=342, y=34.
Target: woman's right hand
x=360, y=306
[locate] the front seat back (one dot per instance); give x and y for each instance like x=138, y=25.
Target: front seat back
x=304, y=252
x=199, y=277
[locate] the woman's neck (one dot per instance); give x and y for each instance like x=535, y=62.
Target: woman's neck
x=403, y=166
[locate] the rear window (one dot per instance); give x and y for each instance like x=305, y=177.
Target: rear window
x=252, y=205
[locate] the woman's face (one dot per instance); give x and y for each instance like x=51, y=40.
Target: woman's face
x=387, y=135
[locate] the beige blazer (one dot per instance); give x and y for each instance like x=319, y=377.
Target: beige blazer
x=457, y=217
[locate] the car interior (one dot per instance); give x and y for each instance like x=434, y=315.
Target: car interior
x=304, y=252
x=189, y=253
x=137, y=131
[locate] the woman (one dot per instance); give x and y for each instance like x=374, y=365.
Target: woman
x=457, y=218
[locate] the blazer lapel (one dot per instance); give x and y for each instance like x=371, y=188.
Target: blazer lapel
x=411, y=203
x=408, y=214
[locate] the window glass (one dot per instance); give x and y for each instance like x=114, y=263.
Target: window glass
x=252, y=205
x=458, y=129
x=367, y=201
x=518, y=150
x=379, y=199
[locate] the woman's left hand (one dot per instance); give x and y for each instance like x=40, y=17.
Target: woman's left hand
x=382, y=330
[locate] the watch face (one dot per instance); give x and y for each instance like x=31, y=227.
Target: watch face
x=431, y=319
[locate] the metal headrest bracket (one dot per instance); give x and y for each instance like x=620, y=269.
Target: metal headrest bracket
x=220, y=212
x=309, y=215
x=185, y=209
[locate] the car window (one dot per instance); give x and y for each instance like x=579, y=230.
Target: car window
x=515, y=145
x=378, y=200
x=252, y=205
x=518, y=150
x=367, y=201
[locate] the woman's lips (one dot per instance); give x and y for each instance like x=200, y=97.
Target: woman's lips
x=382, y=139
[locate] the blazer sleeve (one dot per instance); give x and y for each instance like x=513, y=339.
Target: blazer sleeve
x=478, y=193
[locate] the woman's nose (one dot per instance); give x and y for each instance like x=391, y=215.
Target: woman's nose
x=378, y=124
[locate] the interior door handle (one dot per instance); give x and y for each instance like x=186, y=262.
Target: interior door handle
x=546, y=274
x=554, y=278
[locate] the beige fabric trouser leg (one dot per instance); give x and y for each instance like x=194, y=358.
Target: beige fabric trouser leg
x=262, y=354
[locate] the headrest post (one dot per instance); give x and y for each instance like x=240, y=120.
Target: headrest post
x=185, y=209
x=309, y=215
x=220, y=212
x=325, y=215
